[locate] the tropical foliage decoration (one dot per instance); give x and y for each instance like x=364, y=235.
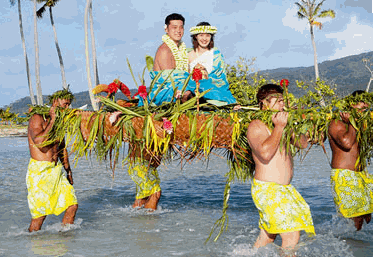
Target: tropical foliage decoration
x=179, y=129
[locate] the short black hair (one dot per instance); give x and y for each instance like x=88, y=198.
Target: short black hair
x=357, y=92
x=173, y=17
x=266, y=90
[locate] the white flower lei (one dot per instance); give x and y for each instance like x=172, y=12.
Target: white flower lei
x=179, y=53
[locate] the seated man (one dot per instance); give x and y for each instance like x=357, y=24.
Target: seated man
x=171, y=61
x=352, y=188
x=282, y=210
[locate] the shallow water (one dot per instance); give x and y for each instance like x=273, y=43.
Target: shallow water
x=107, y=225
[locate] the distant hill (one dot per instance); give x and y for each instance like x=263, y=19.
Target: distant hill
x=82, y=98
x=348, y=73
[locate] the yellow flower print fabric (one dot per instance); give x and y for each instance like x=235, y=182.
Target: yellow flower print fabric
x=281, y=208
x=49, y=191
x=352, y=192
x=146, y=179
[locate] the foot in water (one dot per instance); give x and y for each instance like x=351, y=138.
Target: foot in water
x=360, y=220
x=140, y=202
x=153, y=200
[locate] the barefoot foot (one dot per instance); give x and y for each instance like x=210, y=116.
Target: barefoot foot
x=153, y=200
x=140, y=202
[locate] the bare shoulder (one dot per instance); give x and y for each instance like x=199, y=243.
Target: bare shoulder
x=163, y=50
x=335, y=126
x=35, y=120
x=256, y=128
x=256, y=125
x=163, y=58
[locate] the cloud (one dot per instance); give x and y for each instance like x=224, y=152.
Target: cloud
x=291, y=20
x=367, y=5
x=356, y=38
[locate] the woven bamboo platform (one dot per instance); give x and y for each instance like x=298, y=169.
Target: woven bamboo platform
x=222, y=135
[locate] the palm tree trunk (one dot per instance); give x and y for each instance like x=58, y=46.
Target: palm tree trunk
x=88, y=70
x=314, y=53
x=39, y=94
x=58, y=50
x=322, y=101
x=93, y=45
x=32, y=96
x=368, y=86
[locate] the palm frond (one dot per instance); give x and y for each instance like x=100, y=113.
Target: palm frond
x=317, y=8
x=40, y=12
x=327, y=13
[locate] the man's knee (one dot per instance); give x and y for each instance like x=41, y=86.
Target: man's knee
x=290, y=239
x=73, y=208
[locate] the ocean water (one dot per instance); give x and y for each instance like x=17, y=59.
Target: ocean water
x=107, y=225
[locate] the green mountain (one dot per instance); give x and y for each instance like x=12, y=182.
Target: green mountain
x=349, y=73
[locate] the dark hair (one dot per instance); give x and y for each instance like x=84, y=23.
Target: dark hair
x=194, y=37
x=266, y=90
x=357, y=92
x=174, y=17
x=61, y=94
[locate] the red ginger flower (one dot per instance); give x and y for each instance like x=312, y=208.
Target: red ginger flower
x=112, y=88
x=123, y=88
x=284, y=83
x=167, y=126
x=197, y=75
x=141, y=92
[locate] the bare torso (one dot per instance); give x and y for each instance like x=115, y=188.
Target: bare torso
x=279, y=168
x=164, y=59
x=37, y=125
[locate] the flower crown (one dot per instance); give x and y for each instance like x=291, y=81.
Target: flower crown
x=61, y=94
x=203, y=29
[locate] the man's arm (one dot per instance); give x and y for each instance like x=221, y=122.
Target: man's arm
x=264, y=145
x=301, y=142
x=64, y=158
x=39, y=134
x=344, y=138
x=164, y=60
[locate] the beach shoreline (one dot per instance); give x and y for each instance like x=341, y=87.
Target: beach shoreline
x=13, y=131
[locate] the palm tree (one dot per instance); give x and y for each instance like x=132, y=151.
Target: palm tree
x=368, y=65
x=39, y=13
x=31, y=91
x=311, y=10
x=39, y=94
x=94, y=56
x=88, y=69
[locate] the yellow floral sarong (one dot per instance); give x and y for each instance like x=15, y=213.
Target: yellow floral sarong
x=146, y=179
x=352, y=192
x=281, y=208
x=49, y=191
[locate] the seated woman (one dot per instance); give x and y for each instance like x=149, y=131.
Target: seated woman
x=210, y=61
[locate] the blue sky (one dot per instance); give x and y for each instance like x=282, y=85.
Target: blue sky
x=268, y=30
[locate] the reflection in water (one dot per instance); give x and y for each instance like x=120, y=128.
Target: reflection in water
x=50, y=245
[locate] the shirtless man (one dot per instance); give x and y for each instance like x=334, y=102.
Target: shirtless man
x=282, y=210
x=356, y=202
x=49, y=192
x=174, y=28
x=171, y=61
